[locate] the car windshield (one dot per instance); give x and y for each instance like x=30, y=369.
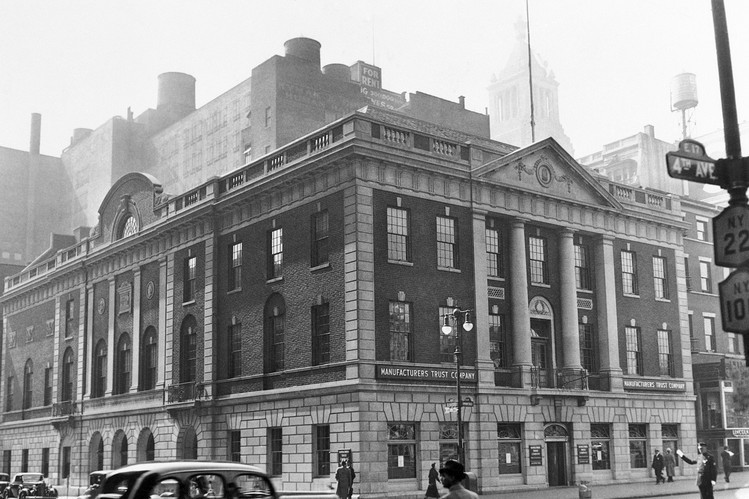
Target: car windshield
x=4, y=477
x=119, y=483
x=30, y=477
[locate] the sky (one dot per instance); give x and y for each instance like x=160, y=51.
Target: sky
x=80, y=62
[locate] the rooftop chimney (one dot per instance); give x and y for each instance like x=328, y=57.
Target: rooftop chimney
x=36, y=133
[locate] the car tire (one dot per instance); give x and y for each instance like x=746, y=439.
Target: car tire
x=22, y=494
x=53, y=493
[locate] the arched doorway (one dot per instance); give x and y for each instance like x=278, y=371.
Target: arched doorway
x=557, y=440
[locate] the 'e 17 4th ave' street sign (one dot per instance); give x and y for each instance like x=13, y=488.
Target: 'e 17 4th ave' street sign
x=691, y=162
x=734, y=301
x=731, y=236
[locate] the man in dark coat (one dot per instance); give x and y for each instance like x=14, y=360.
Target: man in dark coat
x=343, y=477
x=707, y=473
x=658, y=466
x=725, y=458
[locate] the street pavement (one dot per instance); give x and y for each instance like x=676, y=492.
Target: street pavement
x=678, y=488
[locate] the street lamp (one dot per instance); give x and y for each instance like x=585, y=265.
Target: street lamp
x=447, y=328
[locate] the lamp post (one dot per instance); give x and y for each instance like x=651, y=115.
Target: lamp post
x=447, y=328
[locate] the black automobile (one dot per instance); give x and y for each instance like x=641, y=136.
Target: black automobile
x=29, y=485
x=4, y=482
x=94, y=484
x=187, y=479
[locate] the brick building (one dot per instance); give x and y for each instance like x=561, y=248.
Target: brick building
x=290, y=310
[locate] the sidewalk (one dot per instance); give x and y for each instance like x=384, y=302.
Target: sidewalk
x=681, y=486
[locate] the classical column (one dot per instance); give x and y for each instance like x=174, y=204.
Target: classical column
x=90, y=341
x=608, y=323
x=521, y=320
x=484, y=362
x=135, y=368
x=111, y=347
x=163, y=325
x=568, y=291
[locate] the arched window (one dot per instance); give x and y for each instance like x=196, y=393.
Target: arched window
x=149, y=360
x=119, y=449
x=189, y=444
x=275, y=312
x=128, y=226
x=124, y=364
x=68, y=372
x=100, y=369
x=188, y=350
x=28, y=372
x=145, y=450
x=96, y=453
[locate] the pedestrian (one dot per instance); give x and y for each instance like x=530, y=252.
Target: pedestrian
x=707, y=472
x=353, y=475
x=452, y=474
x=670, y=463
x=725, y=458
x=658, y=467
x=432, y=487
x=343, y=477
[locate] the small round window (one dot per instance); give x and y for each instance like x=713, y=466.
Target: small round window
x=129, y=226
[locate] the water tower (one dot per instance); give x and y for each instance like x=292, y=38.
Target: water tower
x=684, y=97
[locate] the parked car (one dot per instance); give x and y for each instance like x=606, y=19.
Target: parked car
x=29, y=485
x=94, y=484
x=194, y=480
x=4, y=482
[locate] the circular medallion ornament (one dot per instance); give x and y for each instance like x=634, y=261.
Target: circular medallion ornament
x=543, y=174
x=101, y=306
x=150, y=289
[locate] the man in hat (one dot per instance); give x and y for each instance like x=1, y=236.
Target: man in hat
x=707, y=472
x=451, y=475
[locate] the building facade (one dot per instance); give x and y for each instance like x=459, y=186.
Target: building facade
x=289, y=312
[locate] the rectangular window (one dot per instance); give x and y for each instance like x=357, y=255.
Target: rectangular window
x=277, y=357
x=47, y=386
x=733, y=344
x=320, y=229
x=9, y=394
x=321, y=451
x=498, y=348
x=600, y=442
x=634, y=352
x=510, y=443
x=494, y=263
x=45, y=461
x=706, y=282
x=235, y=267
x=686, y=273
x=665, y=356
x=629, y=273
x=399, y=235
x=267, y=116
x=447, y=243
x=583, y=267
x=189, y=278
x=448, y=441
x=537, y=259
x=401, y=328
x=275, y=253
x=24, y=459
x=660, y=278
x=235, y=446
x=670, y=434
x=638, y=437
x=709, y=325
x=401, y=450
x=235, y=350
x=69, y=319
x=588, y=355
x=6, y=461
x=65, y=463
x=447, y=341
x=701, y=227
x=275, y=451
x=320, y=334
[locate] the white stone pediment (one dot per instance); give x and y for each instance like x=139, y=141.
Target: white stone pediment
x=547, y=169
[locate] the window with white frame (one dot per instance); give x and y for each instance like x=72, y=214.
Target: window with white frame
x=583, y=267
x=701, y=227
x=706, y=282
x=399, y=234
x=494, y=264
x=537, y=260
x=665, y=354
x=660, y=278
x=629, y=272
x=708, y=322
x=634, y=350
x=447, y=243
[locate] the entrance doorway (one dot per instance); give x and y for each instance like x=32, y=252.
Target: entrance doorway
x=557, y=457
x=557, y=451
x=540, y=334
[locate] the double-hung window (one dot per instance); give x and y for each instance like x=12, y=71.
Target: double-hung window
x=629, y=272
x=399, y=235
x=537, y=255
x=660, y=278
x=447, y=243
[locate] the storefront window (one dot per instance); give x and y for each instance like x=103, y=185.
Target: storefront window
x=710, y=408
x=401, y=450
x=670, y=433
x=600, y=435
x=509, y=448
x=637, y=446
x=735, y=417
